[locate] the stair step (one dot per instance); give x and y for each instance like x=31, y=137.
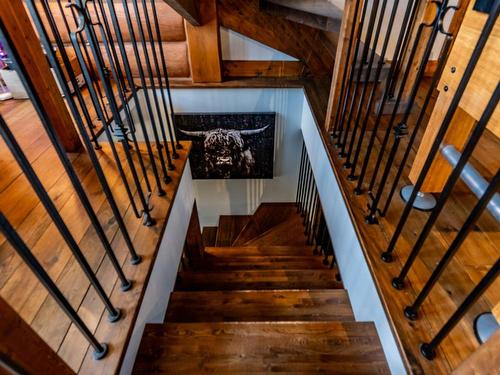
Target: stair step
x=228, y=348
x=290, y=232
x=209, y=235
x=265, y=217
x=259, y=306
x=243, y=251
x=229, y=228
x=262, y=279
x=259, y=263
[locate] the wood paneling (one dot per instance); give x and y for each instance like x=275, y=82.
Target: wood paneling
x=18, y=28
x=302, y=42
x=479, y=90
x=243, y=69
x=23, y=347
x=204, y=45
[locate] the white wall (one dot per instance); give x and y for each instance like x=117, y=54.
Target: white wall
x=162, y=280
x=241, y=197
x=353, y=266
x=235, y=46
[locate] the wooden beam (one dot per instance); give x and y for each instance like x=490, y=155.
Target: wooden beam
x=204, y=45
x=341, y=63
x=309, y=45
x=188, y=9
x=23, y=348
x=17, y=26
x=247, y=69
x=480, y=88
x=485, y=360
x=316, y=21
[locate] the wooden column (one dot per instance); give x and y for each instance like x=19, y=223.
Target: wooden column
x=22, y=347
x=204, y=44
x=479, y=90
x=341, y=63
x=194, y=241
x=17, y=25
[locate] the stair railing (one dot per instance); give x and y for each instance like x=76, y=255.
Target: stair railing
x=399, y=88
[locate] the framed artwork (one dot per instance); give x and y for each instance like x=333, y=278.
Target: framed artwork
x=229, y=145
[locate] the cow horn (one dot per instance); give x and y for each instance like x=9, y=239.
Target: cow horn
x=194, y=133
x=253, y=131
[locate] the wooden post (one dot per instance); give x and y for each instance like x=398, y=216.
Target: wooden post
x=194, y=241
x=341, y=63
x=479, y=90
x=204, y=45
x=21, y=347
x=17, y=25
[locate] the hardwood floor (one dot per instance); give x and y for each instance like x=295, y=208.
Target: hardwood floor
x=19, y=203
x=476, y=255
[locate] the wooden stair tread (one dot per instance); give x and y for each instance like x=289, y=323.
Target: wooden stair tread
x=229, y=228
x=260, y=279
x=258, y=305
x=265, y=217
x=229, y=263
x=228, y=348
x=209, y=236
x=290, y=232
x=237, y=251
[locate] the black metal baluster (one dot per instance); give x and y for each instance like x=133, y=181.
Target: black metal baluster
x=135, y=259
x=130, y=79
x=346, y=69
x=300, y=178
x=380, y=64
x=166, y=177
x=474, y=138
x=175, y=155
x=308, y=187
x=351, y=76
x=142, y=36
x=36, y=184
x=411, y=312
x=100, y=350
x=428, y=350
x=366, y=48
x=401, y=130
x=178, y=145
x=488, y=27
x=392, y=76
x=309, y=201
x=430, y=92
x=121, y=132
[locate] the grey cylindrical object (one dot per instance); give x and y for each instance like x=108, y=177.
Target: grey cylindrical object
x=471, y=177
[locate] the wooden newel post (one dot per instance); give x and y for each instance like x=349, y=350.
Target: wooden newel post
x=17, y=24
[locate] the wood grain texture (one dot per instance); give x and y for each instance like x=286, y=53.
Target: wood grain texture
x=24, y=348
x=265, y=250
x=242, y=69
x=229, y=227
x=18, y=29
x=228, y=348
x=260, y=262
x=204, y=44
x=259, y=306
x=261, y=279
x=485, y=360
x=302, y=42
x=209, y=235
x=188, y=9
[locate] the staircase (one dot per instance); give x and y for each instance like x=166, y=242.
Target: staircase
x=259, y=301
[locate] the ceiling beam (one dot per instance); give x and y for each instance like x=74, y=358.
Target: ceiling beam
x=188, y=9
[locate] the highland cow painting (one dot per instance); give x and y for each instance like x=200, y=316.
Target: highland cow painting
x=229, y=145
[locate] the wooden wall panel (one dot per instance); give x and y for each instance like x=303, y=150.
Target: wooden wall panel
x=246, y=69
x=171, y=23
x=302, y=42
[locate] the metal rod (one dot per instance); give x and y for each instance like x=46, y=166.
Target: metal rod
x=24, y=252
x=72, y=105
x=488, y=27
x=428, y=350
x=299, y=179
x=410, y=11
x=474, y=138
x=471, y=177
x=411, y=312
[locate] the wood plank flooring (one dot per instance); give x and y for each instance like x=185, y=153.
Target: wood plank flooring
x=476, y=255
x=19, y=203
